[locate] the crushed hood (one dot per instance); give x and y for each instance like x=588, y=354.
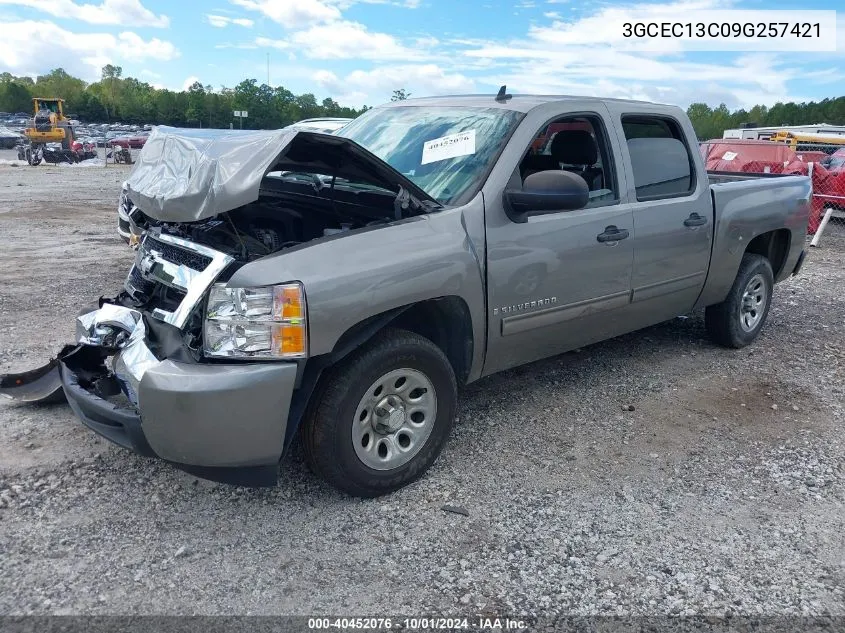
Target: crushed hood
x=186, y=175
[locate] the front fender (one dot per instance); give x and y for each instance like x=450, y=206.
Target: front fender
x=351, y=277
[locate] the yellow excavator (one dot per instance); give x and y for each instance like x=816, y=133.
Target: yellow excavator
x=48, y=125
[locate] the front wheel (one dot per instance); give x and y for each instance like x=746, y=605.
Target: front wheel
x=737, y=321
x=382, y=416
x=34, y=156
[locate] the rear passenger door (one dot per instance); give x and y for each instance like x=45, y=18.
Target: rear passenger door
x=672, y=216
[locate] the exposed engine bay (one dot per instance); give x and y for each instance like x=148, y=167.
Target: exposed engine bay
x=292, y=209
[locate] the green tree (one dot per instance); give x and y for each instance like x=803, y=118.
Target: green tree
x=308, y=106
x=15, y=97
x=196, y=112
x=400, y=95
x=111, y=74
x=58, y=83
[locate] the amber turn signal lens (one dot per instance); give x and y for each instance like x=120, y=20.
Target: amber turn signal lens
x=288, y=302
x=289, y=338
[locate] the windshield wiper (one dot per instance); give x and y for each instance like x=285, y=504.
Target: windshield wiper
x=404, y=200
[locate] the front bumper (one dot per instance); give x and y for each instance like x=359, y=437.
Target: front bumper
x=225, y=422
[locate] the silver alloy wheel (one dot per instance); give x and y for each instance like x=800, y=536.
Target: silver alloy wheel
x=753, y=303
x=394, y=419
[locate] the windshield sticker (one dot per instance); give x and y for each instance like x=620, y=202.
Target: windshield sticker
x=729, y=156
x=452, y=146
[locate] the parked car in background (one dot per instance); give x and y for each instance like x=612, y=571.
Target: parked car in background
x=9, y=138
x=836, y=161
x=137, y=140
x=119, y=141
x=84, y=149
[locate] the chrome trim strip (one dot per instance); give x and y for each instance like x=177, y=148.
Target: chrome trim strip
x=560, y=314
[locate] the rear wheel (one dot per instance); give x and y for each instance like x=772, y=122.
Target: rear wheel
x=737, y=321
x=382, y=416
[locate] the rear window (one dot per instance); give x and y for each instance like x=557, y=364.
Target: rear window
x=660, y=159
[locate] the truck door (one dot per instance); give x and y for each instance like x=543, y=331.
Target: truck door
x=672, y=214
x=562, y=280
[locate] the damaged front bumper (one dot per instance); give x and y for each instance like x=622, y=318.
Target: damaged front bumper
x=225, y=422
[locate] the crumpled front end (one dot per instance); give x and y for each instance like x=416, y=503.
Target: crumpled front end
x=115, y=327
x=136, y=374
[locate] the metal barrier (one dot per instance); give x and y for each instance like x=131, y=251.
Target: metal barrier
x=827, y=168
x=823, y=162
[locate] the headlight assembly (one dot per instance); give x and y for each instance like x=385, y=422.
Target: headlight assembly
x=267, y=322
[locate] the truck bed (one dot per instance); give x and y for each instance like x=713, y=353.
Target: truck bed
x=748, y=205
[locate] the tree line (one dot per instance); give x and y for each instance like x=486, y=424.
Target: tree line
x=711, y=122
x=129, y=100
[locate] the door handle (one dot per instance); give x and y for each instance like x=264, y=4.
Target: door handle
x=695, y=220
x=612, y=234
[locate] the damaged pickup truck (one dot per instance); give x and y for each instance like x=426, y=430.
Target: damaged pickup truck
x=345, y=286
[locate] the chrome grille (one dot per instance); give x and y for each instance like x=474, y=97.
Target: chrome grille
x=187, y=267
x=177, y=254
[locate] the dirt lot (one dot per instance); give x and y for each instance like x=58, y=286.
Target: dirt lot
x=721, y=492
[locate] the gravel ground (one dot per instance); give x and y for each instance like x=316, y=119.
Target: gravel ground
x=719, y=492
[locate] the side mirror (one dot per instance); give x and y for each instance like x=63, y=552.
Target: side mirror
x=546, y=192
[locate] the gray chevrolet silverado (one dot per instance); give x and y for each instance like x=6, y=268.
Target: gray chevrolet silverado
x=345, y=286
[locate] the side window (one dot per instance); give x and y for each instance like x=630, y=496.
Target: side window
x=577, y=144
x=660, y=158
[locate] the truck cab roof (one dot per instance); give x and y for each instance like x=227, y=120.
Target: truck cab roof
x=521, y=103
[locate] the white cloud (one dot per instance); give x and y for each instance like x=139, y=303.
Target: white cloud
x=347, y=40
x=190, y=81
x=121, y=12
x=375, y=86
x=292, y=13
x=579, y=56
x=406, y=4
x=135, y=47
x=221, y=21
x=81, y=54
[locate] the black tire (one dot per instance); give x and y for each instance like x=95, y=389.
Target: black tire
x=327, y=433
x=724, y=321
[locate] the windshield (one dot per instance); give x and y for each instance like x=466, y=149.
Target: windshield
x=445, y=150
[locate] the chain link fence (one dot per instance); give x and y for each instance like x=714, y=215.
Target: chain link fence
x=824, y=163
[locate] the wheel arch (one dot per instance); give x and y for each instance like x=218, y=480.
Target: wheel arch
x=446, y=321
x=774, y=246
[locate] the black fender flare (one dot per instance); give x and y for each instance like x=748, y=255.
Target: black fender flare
x=351, y=340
